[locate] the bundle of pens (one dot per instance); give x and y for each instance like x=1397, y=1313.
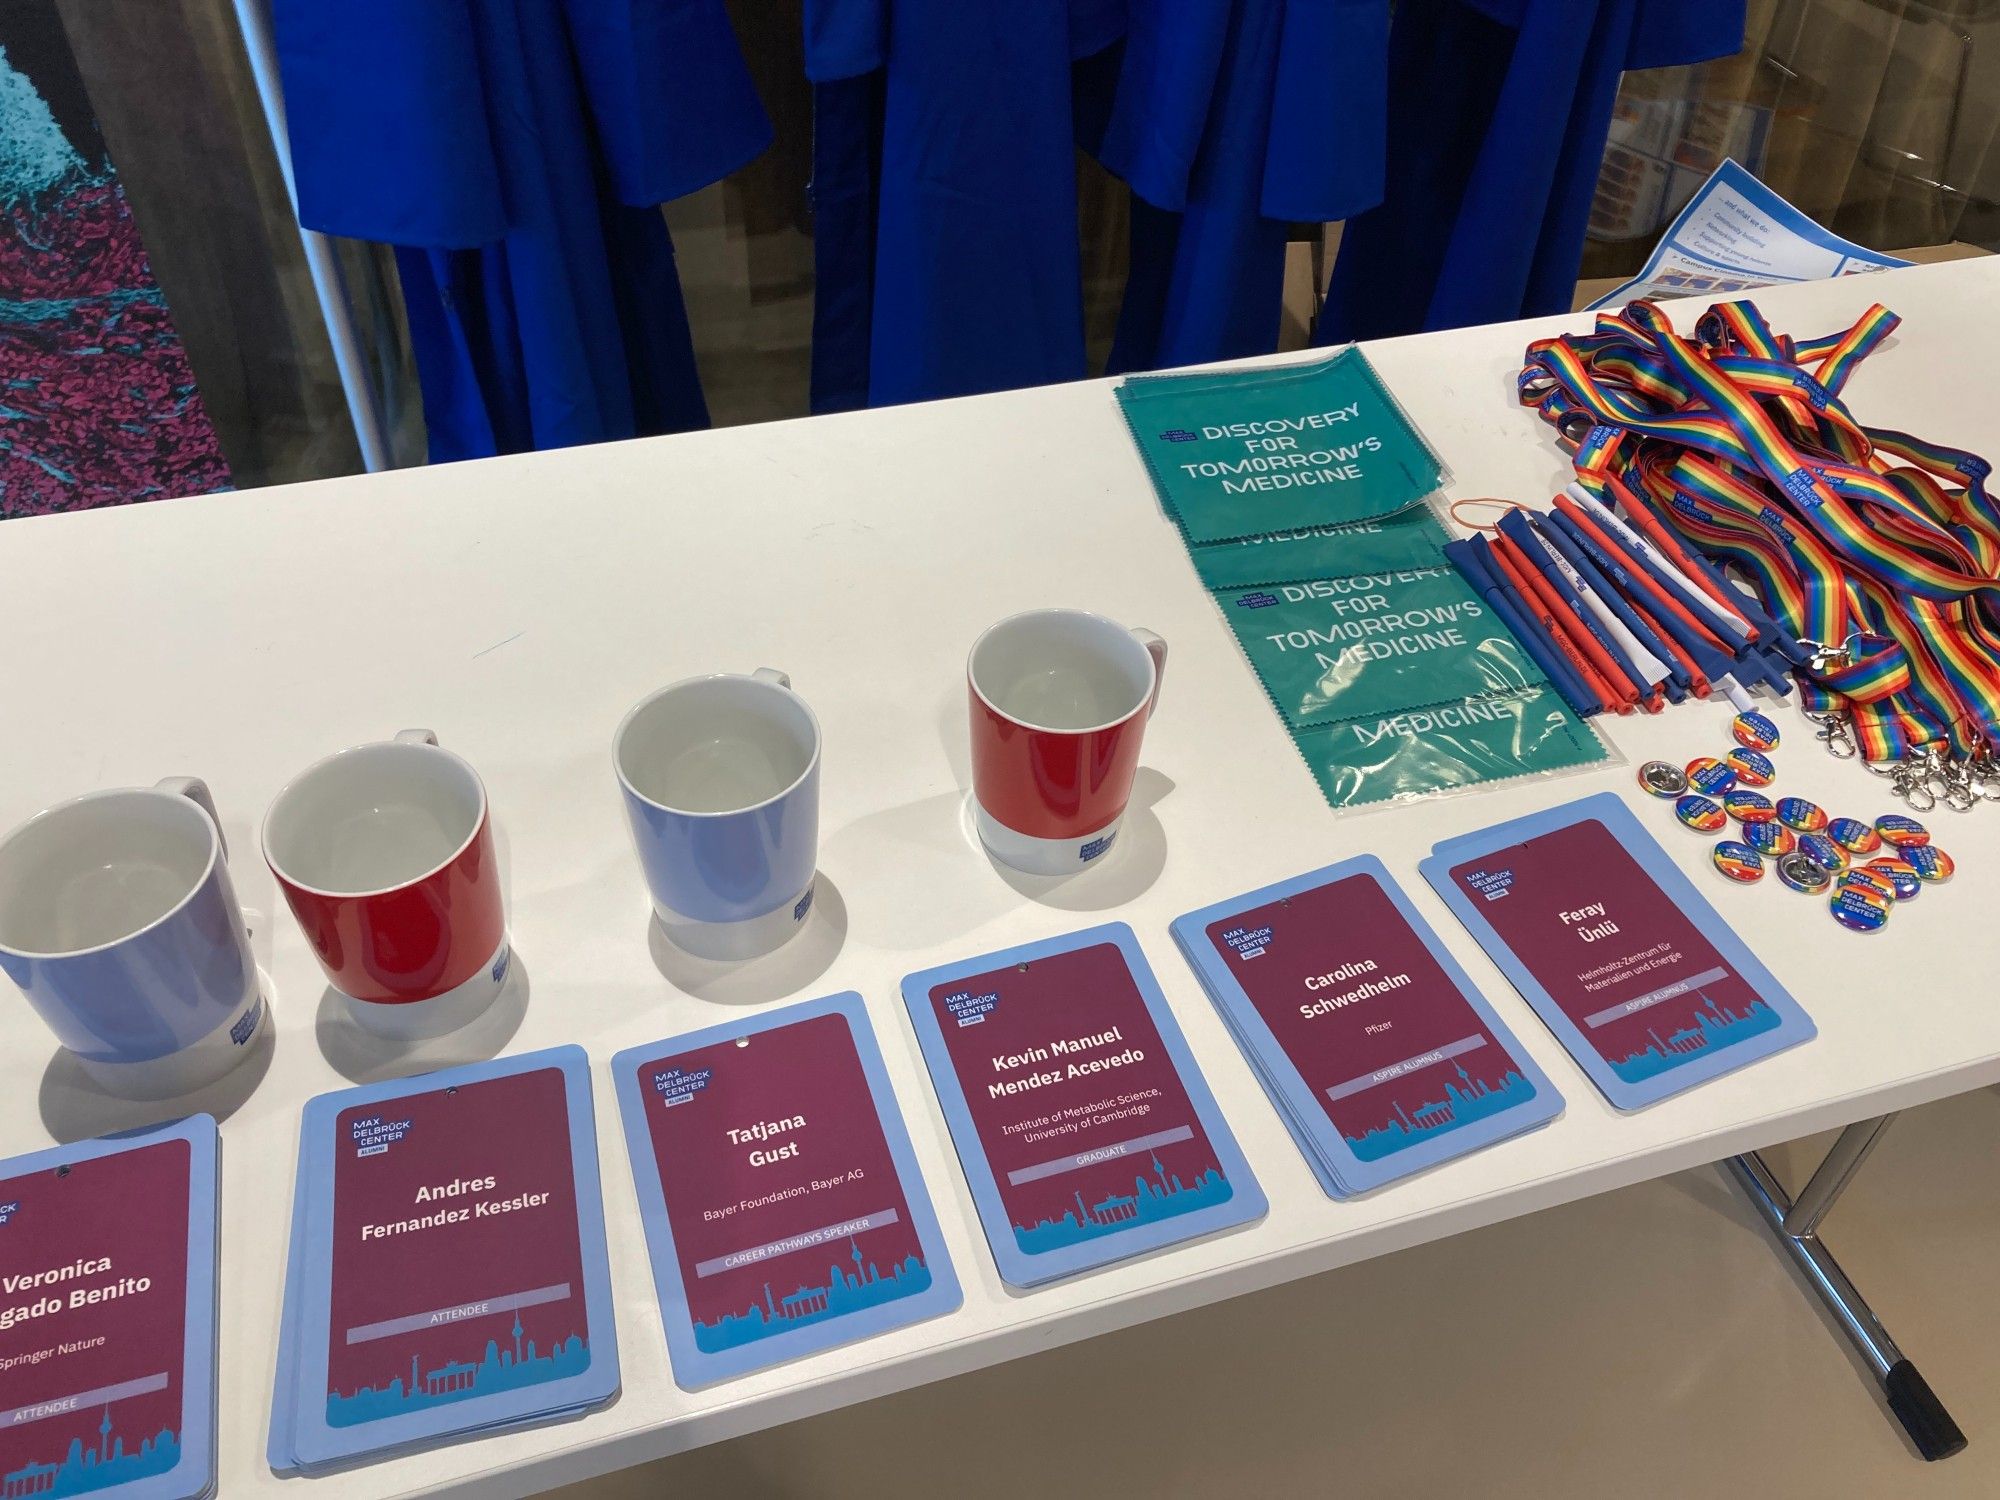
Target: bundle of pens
x=1621, y=614
x=1871, y=557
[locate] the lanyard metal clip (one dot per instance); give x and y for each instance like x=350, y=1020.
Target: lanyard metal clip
x=1836, y=732
x=1822, y=658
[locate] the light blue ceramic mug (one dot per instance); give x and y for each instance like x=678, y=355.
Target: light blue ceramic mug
x=119, y=923
x=721, y=782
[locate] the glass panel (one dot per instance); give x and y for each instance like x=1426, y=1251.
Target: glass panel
x=1875, y=117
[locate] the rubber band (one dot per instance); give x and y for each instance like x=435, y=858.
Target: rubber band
x=1505, y=505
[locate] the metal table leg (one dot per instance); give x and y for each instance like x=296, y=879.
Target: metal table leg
x=1795, y=1222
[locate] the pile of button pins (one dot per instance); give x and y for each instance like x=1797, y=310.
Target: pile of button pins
x=1864, y=869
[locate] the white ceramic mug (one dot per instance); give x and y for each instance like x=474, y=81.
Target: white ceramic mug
x=119, y=922
x=720, y=776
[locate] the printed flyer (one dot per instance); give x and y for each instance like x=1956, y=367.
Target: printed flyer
x=107, y=1298
x=783, y=1206
x=1081, y=1120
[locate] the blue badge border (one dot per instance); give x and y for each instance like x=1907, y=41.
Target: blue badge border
x=315, y=1444
x=196, y=1472
x=1017, y=1268
x=693, y=1368
x=1618, y=819
x=1290, y=1090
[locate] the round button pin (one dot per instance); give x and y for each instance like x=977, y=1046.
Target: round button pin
x=1854, y=910
x=1799, y=814
x=1751, y=768
x=1709, y=776
x=1700, y=814
x=1903, y=832
x=1753, y=731
x=1770, y=837
x=1853, y=835
x=1930, y=862
x=1801, y=874
x=1663, y=778
x=1739, y=862
x=1749, y=807
x=1823, y=852
x=1868, y=880
x=1902, y=875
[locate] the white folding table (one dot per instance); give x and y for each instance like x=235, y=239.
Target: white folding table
x=518, y=606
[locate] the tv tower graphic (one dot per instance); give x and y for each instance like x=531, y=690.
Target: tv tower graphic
x=82, y=1469
x=1461, y=1100
x=841, y=1292
x=1161, y=1195
x=1712, y=1026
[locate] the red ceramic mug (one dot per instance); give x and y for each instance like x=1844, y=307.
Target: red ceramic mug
x=1060, y=700
x=385, y=855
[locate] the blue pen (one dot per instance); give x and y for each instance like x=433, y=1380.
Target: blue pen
x=1643, y=552
x=1519, y=528
x=1752, y=663
x=1473, y=569
x=1544, y=626
x=1778, y=671
x=1625, y=563
x=1763, y=660
x=1674, y=679
x=1623, y=595
x=1676, y=682
x=1770, y=634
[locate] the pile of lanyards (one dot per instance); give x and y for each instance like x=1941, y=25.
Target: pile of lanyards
x=1877, y=552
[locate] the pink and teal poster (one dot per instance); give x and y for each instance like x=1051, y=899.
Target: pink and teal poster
x=98, y=404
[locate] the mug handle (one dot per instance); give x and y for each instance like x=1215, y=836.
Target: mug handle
x=772, y=675
x=416, y=737
x=196, y=791
x=1157, y=649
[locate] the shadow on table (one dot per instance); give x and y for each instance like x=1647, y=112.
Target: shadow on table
x=785, y=971
x=1125, y=873
x=1128, y=870
x=74, y=1108
x=360, y=1056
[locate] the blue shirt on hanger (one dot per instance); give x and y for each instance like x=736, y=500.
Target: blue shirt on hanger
x=1498, y=117
x=944, y=195
x=1230, y=120
x=514, y=152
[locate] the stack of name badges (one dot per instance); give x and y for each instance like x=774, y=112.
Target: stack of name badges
x=107, y=1329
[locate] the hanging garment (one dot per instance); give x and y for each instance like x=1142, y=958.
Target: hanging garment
x=1499, y=114
x=1230, y=120
x=514, y=152
x=944, y=195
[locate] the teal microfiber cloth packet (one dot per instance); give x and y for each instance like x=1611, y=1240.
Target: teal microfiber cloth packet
x=1301, y=494
x=1350, y=648
x=1252, y=452
x=1412, y=538
x=1419, y=752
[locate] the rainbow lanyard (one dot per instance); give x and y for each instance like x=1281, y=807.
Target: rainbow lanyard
x=1877, y=551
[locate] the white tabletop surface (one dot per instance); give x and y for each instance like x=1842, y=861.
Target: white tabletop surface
x=518, y=606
